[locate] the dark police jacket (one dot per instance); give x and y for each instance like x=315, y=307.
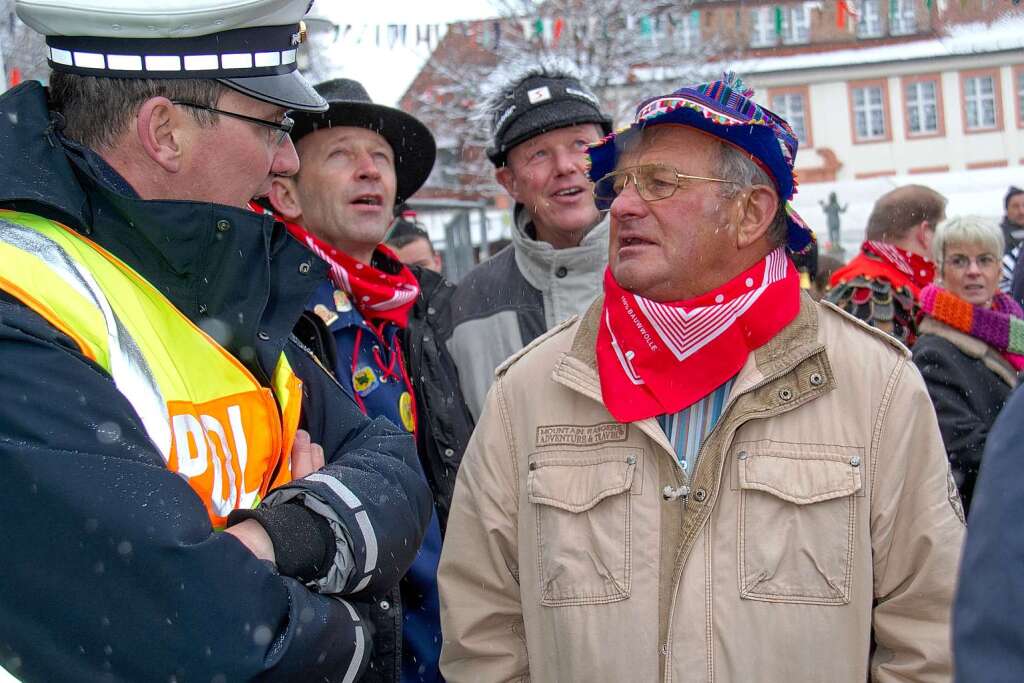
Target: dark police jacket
x=111, y=569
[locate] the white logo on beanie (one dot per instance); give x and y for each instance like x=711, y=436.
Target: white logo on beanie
x=504, y=117
x=538, y=94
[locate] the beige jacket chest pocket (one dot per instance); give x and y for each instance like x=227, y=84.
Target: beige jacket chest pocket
x=581, y=501
x=797, y=520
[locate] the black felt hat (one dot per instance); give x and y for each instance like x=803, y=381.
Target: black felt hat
x=538, y=104
x=350, y=105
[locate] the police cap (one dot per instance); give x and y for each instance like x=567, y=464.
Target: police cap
x=248, y=45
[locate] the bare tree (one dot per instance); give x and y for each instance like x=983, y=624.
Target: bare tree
x=608, y=42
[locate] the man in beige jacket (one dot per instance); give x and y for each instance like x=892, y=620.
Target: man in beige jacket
x=708, y=477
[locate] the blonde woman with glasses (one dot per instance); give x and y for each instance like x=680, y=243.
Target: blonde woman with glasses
x=971, y=341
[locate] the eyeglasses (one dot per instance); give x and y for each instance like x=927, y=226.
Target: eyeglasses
x=652, y=182
x=963, y=262
x=283, y=127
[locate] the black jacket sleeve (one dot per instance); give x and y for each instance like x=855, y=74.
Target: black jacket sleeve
x=370, y=490
x=988, y=632
x=111, y=570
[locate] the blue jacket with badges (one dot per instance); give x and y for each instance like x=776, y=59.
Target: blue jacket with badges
x=371, y=363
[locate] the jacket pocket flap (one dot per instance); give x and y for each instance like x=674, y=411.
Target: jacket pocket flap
x=576, y=485
x=800, y=480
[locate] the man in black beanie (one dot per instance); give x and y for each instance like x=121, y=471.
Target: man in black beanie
x=541, y=121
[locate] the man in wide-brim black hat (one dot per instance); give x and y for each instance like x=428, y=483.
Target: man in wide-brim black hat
x=384, y=319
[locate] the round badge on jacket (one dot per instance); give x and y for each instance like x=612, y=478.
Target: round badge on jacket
x=405, y=410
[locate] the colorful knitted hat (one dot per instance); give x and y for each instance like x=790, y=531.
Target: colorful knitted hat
x=722, y=109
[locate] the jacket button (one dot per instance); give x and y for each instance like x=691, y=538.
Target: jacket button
x=431, y=310
x=385, y=605
x=743, y=455
x=448, y=453
x=816, y=379
x=533, y=465
x=786, y=394
x=561, y=272
x=631, y=460
x=855, y=461
x=304, y=267
x=223, y=225
x=263, y=336
x=700, y=495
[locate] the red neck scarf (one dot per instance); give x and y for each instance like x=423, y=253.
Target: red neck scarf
x=659, y=358
x=918, y=269
x=381, y=294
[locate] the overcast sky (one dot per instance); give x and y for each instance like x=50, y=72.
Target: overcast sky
x=385, y=71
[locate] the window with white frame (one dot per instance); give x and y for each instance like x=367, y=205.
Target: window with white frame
x=869, y=23
x=796, y=24
x=869, y=112
x=762, y=27
x=793, y=108
x=902, y=17
x=922, y=98
x=687, y=31
x=980, y=102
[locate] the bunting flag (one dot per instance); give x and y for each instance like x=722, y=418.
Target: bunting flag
x=493, y=34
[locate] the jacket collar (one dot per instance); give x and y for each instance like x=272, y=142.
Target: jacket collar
x=970, y=346
x=538, y=260
x=235, y=273
x=796, y=343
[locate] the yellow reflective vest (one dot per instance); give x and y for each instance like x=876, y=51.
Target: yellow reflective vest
x=211, y=420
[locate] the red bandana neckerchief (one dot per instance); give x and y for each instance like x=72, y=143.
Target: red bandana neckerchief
x=659, y=358
x=380, y=296
x=918, y=269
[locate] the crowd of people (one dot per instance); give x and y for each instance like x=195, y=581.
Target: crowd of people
x=252, y=433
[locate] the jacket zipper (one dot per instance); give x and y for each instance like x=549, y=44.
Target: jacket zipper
x=677, y=570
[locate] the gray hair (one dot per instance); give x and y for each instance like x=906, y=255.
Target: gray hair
x=966, y=230
x=737, y=166
x=97, y=110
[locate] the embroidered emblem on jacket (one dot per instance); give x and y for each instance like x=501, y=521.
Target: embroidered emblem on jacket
x=581, y=435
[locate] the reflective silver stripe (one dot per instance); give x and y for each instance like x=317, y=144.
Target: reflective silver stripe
x=362, y=519
x=128, y=367
x=340, y=490
x=357, y=657
x=98, y=61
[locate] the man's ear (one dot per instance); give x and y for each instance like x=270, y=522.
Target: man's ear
x=284, y=197
x=159, y=126
x=507, y=179
x=756, y=210
x=925, y=232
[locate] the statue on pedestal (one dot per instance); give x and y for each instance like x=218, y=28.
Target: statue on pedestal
x=832, y=211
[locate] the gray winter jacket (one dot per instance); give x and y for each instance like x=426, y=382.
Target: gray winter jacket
x=511, y=299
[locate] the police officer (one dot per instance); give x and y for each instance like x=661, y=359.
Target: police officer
x=153, y=393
